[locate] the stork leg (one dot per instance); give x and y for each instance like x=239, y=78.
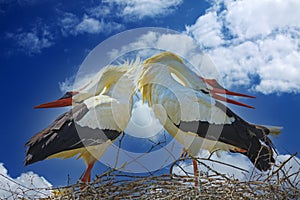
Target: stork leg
x=184, y=153
x=196, y=171
x=87, y=174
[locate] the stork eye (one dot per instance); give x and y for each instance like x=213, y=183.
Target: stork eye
x=68, y=94
x=204, y=91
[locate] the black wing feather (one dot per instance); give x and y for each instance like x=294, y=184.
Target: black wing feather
x=63, y=134
x=240, y=133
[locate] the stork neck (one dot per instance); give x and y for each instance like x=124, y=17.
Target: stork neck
x=122, y=89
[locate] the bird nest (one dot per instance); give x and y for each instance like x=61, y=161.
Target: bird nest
x=283, y=182
x=279, y=183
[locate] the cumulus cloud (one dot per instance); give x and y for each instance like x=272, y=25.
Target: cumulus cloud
x=144, y=8
x=27, y=185
x=33, y=41
x=249, y=45
x=89, y=25
x=207, y=31
x=176, y=42
x=254, y=44
x=247, y=19
x=150, y=42
x=71, y=24
x=143, y=123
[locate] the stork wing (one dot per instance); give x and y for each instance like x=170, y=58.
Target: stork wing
x=66, y=134
x=187, y=77
x=202, y=119
x=248, y=139
x=106, y=113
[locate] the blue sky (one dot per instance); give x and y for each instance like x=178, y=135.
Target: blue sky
x=254, y=44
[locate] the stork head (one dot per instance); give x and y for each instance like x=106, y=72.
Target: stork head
x=109, y=77
x=100, y=83
x=178, y=69
x=186, y=77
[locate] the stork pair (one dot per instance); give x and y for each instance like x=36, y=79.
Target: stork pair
x=187, y=105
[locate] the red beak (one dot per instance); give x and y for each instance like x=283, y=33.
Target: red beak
x=218, y=89
x=221, y=98
x=66, y=100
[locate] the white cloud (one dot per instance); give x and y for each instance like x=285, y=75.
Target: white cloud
x=253, y=38
x=248, y=19
x=28, y=185
x=145, y=8
x=151, y=41
x=176, y=42
x=100, y=11
x=70, y=24
x=99, y=19
x=143, y=122
x=248, y=44
x=207, y=30
x=89, y=25
x=33, y=41
x=67, y=85
x=67, y=23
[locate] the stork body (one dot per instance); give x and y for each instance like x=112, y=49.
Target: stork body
x=187, y=106
x=102, y=109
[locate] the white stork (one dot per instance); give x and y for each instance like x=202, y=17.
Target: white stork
x=187, y=105
x=100, y=113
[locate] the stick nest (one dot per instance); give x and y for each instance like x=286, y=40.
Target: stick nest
x=280, y=183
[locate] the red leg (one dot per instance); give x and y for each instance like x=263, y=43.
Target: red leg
x=196, y=171
x=87, y=174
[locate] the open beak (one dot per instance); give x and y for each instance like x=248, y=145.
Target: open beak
x=66, y=100
x=218, y=89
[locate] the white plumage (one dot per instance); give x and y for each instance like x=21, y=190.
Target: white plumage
x=101, y=112
x=186, y=104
